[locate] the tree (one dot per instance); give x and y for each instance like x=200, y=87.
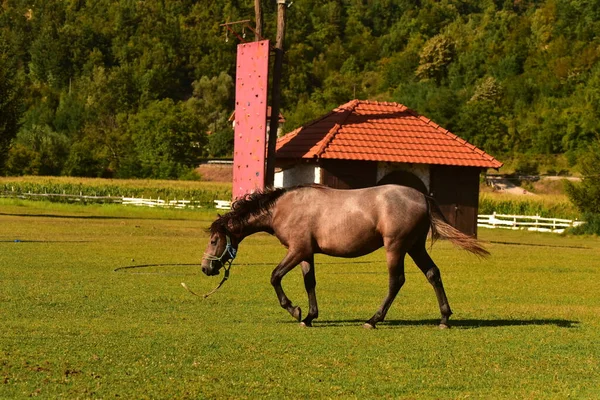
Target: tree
x=212, y=100
x=38, y=150
x=10, y=104
x=168, y=139
x=436, y=56
x=586, y=195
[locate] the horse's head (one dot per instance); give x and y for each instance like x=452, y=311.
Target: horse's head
x=220, y=250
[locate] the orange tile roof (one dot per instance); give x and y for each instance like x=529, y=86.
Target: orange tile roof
x=378, y=131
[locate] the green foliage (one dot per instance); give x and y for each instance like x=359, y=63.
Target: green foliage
x=590, y=227
x=527, y=166
x=10, y=101
x=220, y=144
x=38, y=150
x=586, y=195
x=436, y=56
x=511, y=77
x=168, y=139
x=210, y=102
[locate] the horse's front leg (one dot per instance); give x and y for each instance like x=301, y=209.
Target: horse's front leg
x=310, y=282
x=286, y=265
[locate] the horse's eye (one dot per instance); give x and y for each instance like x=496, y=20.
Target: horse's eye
x=213, y=242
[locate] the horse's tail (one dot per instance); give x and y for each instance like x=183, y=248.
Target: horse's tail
x=440, y=228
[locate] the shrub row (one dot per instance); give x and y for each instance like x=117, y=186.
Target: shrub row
x=528, y=206
x=200, y=193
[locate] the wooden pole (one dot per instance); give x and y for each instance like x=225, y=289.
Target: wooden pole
x=259, y=20
x=276, y=93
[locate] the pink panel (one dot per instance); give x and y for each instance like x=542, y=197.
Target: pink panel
x=252, y=74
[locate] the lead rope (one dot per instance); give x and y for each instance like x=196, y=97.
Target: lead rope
x=228, y=250
x=225, y=277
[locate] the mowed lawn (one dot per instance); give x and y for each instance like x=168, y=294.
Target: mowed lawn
x=526, y=321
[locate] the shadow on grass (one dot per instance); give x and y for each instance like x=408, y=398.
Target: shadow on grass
x=66, y=216
x=456, y=323
x=538, y=245
x=91, y=217
x=44, y=241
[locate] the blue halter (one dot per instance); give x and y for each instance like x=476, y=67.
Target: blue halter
x=229, y=250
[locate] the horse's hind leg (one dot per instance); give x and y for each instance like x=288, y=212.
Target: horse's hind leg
x=286, y=265
x=431, y=271
x=395, y=262
x=310, y=282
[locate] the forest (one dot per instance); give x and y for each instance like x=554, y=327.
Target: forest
x=128, y=88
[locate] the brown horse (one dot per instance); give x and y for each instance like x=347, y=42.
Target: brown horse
x=342, y=223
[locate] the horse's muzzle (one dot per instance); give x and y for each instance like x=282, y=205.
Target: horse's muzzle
x=210, y=270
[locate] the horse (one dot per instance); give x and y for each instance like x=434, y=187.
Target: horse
x=311, y=219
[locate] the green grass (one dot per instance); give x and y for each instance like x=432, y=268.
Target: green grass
x=525, y=324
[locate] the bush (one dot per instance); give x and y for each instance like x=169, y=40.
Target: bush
x=527, y=166
x=586, y=195
x=591, y=226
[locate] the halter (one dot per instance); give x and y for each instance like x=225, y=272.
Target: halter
x=229, y=250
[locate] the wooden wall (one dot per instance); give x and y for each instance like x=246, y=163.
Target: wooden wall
x=456, y=190
x=348, y=174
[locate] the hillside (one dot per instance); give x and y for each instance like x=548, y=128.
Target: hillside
x=131, y=89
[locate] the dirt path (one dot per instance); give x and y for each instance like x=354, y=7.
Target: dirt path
x=216, y=172
x=506, y=185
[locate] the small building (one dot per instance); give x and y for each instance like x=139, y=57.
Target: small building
x=365, y=143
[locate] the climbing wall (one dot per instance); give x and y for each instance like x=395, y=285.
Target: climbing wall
x=252, y=72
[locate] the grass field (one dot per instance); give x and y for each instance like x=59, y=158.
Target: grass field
x=526, y=322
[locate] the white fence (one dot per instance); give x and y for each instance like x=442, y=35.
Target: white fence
x=132, y=201
x=128, y=201
x=531, y=223
x=223, y=204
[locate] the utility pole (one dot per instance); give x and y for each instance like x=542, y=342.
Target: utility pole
x=259, y=22
x=276, y=93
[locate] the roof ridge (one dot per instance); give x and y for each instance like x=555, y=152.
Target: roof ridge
x=351, y=104
x=288, y=136
x=314, y=121
x=453, y=136
x=333, y=131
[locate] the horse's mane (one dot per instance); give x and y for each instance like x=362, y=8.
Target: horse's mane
x=246, y=207
x=251, y=205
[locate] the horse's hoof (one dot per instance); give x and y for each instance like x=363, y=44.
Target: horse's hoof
x=297, y=313
x=444, y=326
x=304, y=324
x=368, y=326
